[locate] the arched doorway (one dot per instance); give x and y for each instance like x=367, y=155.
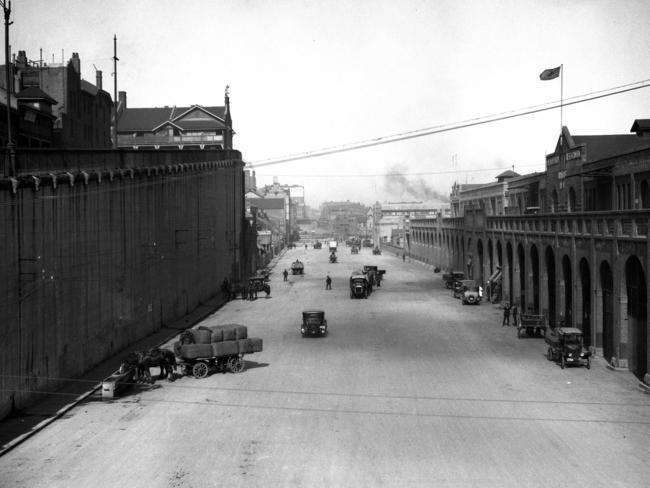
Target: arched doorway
x=550, y=275
x=637, y=314
x=522, y=276
x=479, y=251
x=568, y=291
x=510, y=273
x=534, y=262
x=490, y=256
x=607, y=287
x=585, y=283
x=499, y=255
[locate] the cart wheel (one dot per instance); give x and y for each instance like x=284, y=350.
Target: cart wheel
x=236, y=364
x=200, y=370
x=562, y=362
x=549, y=354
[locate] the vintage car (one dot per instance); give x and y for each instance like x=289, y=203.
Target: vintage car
x=371, y=273
x=460, y=286
x=472, y=295
x=376, y=251
x=566, y=347
x=333, y=258
x=297, y=268
x=313, y=323
x=318, y=245
x=452, y=277
x=359, y=286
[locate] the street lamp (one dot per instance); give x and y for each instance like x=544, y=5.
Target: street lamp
x=11, y=148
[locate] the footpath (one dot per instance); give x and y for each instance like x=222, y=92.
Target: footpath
x=21, y=425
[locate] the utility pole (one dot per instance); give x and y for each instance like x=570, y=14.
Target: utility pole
x=11, y=148
x=115, y=60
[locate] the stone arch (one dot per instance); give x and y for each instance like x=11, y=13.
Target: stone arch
x=607, y=305
x=567, y=277
x=550, y=283
x=490, y=256
x=637, y=313
x=534, y=264
x=585, y=285
x=510, y=261
x=479, y=252
x=521, y=258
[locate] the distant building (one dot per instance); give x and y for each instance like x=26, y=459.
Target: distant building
x=194, y=127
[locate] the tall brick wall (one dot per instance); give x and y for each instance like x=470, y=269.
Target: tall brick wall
x=95, y=260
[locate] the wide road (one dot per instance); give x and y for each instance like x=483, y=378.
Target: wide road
x=409, y=388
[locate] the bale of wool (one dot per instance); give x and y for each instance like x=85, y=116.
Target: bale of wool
x=241, y=331
x=250, y=345
x=202, y=336
x=194, y=351
x=217, y=334
x=228, y=330
x=225, y=348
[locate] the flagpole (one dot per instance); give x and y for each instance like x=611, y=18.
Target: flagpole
x=561, y=95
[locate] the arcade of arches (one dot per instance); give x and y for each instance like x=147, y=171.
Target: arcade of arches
x=578, y=275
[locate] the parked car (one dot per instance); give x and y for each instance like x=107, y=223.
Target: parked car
x=473, y=294
x=566, y=347
x=452, y=277
x=313, y=323
x=460, y=286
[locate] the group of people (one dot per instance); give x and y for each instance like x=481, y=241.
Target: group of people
x=510, y=310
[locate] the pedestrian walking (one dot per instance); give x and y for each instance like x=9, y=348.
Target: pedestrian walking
x=285, y=273
x=328, y=283
x=403, y=256
x=515, y=315
x=506, y=314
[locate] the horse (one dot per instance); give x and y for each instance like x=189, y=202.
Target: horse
x=143, y=360
x=239, y=289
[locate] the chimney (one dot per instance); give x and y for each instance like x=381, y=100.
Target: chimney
x=98, y=79
x=76, y=62
x=122, y=99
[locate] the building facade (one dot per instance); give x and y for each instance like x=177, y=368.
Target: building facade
x=194, y=127
x=573, y=245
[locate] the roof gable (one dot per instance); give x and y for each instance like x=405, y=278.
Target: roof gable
x=149, y=119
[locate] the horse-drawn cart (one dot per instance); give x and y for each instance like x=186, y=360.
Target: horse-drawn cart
x=221, y=348
x=532, y=325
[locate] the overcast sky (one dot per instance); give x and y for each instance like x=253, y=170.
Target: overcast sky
x=306, y=75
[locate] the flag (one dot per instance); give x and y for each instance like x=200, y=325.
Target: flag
x=550, y=74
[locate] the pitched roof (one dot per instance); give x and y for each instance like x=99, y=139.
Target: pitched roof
x=146, y=119
x=507, y=174
x=35, y=93
x=607, y=146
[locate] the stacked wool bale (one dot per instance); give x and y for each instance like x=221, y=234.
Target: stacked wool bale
x=217, y=341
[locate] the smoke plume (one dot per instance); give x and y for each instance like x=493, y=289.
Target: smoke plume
x=399, y=186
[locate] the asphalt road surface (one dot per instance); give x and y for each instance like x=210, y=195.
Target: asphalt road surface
x=409, y=388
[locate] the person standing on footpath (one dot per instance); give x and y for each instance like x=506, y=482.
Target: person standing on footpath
x=515, y=315
x=285, y=273
x=506, y=314
x=328, y=283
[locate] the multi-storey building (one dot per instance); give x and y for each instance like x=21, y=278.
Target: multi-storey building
x=194, y=127
x=573, y=245
x=82, y=110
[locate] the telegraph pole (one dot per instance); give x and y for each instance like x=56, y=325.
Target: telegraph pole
x=11, y=148
x=115, y=60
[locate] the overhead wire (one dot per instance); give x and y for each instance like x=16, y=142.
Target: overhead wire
x=451, y=126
